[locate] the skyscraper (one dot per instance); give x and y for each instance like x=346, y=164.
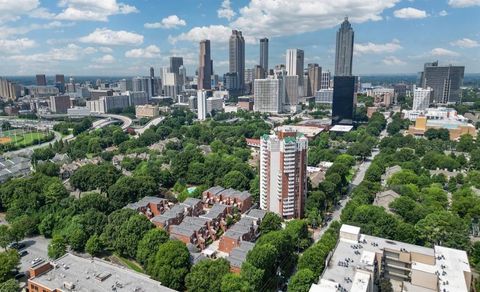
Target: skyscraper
x=60, y=79
x=294, y=63
x=446, y=82
x=344, y=49
x=314, y=79
x=326, y=76
x=283, y=173
x=237, y=60
x=204, y=66
x=343, y=95
x=175, y=63
x=264, y=55
x=269, y=95
x=41, y=80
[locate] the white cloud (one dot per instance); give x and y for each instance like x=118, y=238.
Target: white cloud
x=171, y=21
x=104, y=36
x=105, y=50
x=443, y=13
x=225, y=10
x=465, y=43
x=272, y=18
x=16, y=45
x=214, y=33
x=392, y=60
x=371, y=48
x=463, y=3
x=71, y=52
x=6, y=31
x=410, y=13
x=149, y=52
x=106, y=59
x=440, y=52
x=92, y=10
x=90, y=50
x=11, y=10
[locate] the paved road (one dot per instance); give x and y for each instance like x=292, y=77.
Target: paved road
x=151, y=123
x=357, y=179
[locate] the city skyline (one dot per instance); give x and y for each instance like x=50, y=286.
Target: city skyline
x=76, y=38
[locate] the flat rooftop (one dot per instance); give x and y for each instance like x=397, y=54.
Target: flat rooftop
x=95, y=275
x=341, y=128
x=349, y=257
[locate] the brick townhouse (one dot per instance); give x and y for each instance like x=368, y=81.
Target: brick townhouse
x=241, y=200
x=150, y=206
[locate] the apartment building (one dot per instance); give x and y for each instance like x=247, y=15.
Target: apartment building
x=360, y=260
x=73, y=273
x=283, y=173
x=149, y=206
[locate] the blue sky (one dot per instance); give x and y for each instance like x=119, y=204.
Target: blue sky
x=126, y=37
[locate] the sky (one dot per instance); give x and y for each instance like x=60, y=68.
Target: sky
x=126, y=37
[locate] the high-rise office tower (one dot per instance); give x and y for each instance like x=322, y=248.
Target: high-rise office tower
x=283, y=173
x=422, y=97
x=202, y=105
x=264, y=56
x=60, y=82
x=292, y=93
x=344, y=49
x=446, y=82
x=60, y=79
x=343, y=96
x=152, y=81
x=204, y=66
x=294, y=64
x=175, y=63
x=314, y=79
x=41, y=80
x=326, y=76
x=237, y=60
x=143, y=84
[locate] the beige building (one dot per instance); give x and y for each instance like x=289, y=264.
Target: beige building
x=455, y=127
x=147, y=111
x=360, y=260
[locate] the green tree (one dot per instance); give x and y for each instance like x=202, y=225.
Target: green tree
x=443, y=228
x=10, y=260
x=301, y=281
x=10, y=285
x=5, y=237
x=94, y=245
x=130, y=233
x=171, y=264
x=57, y=247
x=234, y=282
x=298, y=232
x=207, y=275
x=236, y=180
x=150, y=243
x=129, y=189
x=55, y=192
x=270, y=222
x=48, y=168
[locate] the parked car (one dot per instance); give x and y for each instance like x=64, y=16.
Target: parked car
x=16, y=245
x=19, y=276
x=22, y=253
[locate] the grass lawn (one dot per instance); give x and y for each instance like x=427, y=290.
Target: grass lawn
x=129, y=263
x=22, y=138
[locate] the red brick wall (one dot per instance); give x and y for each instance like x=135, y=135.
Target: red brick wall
x=226, y=244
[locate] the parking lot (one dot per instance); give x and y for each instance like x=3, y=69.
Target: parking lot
x=36, y=248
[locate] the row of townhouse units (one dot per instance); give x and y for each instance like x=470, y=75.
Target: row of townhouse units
x=243, y=201
x=246, y=229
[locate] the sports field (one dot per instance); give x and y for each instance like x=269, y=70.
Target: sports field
x=21, y=137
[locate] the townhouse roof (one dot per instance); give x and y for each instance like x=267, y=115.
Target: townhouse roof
x=144, y=202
